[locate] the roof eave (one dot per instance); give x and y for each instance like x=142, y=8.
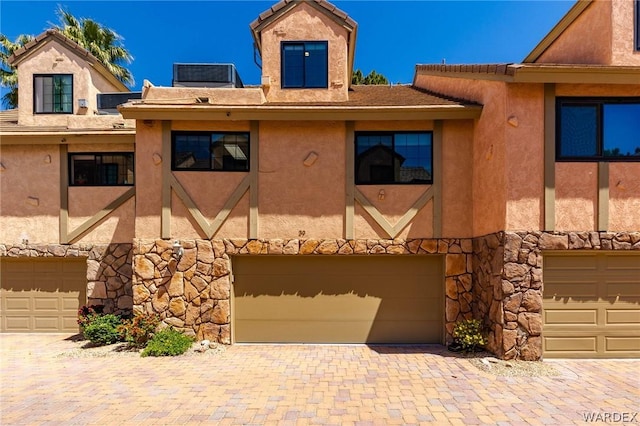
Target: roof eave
x=557, y=30
x=282, y=113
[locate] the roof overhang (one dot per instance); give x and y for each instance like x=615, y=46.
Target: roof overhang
x=18, y=137
x=297, y=113
x=29, y=49
x=556, y=31
x=284, y=6
x=525, y=73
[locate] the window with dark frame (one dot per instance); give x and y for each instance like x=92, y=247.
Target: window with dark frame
x=101, y=169
x=598, y=129
x=637, y=24
x=210, y=151
x=53, y=94
x=305, y=64
x=393, y=158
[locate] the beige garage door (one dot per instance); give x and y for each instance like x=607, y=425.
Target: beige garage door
x=592, y=305
x=338, y=299
x=42, y=295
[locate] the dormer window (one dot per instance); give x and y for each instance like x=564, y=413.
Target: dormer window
x=53, y=94
x=305, y=64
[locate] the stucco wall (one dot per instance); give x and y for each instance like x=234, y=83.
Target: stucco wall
x=524, y=154
x=489, y=180
x=29, y=193
x=303, y=24
x=54, y=58
x=622, y=50
x=578, y=45
x=624, y=197
x=118, y=227
x=148, y=168
x=294, y=199
x=576, y=196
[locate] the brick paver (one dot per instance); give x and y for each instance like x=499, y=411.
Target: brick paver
x=299, y=385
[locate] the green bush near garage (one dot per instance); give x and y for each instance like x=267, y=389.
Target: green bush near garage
x=168, y=342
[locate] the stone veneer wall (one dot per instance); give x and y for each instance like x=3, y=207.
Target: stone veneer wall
x=193, y=293
x=508, y=287
x=109, y=269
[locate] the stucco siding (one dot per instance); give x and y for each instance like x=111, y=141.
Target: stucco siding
x=576, y=196
x=624, y=196
x=30, y=193
x=586, y=41
x=306, y=23
x=53, y=58
x=148, y=178
x=295, y=199
x=524, y=165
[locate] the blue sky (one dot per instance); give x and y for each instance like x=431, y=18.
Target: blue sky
x=393, y=36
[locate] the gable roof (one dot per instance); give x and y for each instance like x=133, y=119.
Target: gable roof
x=283, y=7
x=556, y=32
x=20, y=55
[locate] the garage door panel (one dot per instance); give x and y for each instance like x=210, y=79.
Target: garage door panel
x=623, y=316
x=604, y=324
x=623, y=289
x=17, y=323
x=346, y=299
x=587, y=344
x=42, y=295
x=622, y=344
x=16, y=304
x=561, y=316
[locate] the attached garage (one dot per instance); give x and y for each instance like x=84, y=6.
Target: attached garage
x=591, y=305
x=42, y=295
x=338, y=299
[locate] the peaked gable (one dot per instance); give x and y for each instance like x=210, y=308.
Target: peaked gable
x=593, y=32
x=53, y=35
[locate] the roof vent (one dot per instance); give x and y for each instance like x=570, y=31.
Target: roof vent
x=108, y=102
x=206, y=75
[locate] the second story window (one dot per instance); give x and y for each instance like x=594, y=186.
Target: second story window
x=637, y=24
x=394, y=158
x=207, y=151
x=305, y=64
x=101, y=169
x=53, y=94
x=598, y=129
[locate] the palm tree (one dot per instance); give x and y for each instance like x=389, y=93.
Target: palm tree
x=102, y=42
x=8, y=74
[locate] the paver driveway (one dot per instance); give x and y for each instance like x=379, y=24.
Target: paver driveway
x=299, y=385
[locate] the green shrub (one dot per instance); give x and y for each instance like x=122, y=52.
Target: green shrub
x=168, y=342
x=138, y=330
x=468, y=334
x=103, y=329
x=86, y=314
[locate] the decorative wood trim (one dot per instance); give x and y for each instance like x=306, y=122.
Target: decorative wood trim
x=64, y=195
x=549, y=157
x=191, y=206
x=90, y=223
x=603, y=196
x=165, y=217
x=210, y=229
x=437, y=179
x=254, y=157
x=393, y=231
x=350, y=180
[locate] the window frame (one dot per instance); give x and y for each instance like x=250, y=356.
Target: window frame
x=209, y=134
x=599, y=103
x=35, y=77
x=71, y=180
x=393, y=133
x=283, y=85
x=637, y=24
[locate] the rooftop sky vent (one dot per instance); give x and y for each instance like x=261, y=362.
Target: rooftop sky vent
x=206, y=75
x=108, y=102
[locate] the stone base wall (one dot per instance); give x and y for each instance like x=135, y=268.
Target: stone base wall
x=193, y=293
x=508, y=283
x=109, y=269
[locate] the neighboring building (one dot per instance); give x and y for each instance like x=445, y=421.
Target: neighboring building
x=310, y=210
